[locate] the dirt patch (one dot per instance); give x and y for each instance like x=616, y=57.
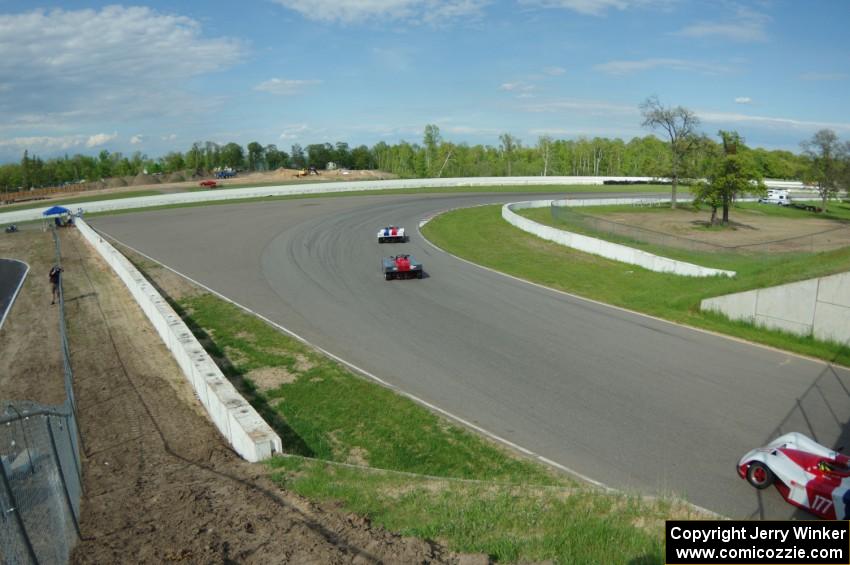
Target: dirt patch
x=270, y=378
x=160, y=484
x=185, y=181
x=747, y=228
x=30, y=364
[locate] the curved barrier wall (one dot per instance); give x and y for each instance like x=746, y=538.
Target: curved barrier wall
x=248, y=434
x=820, y=307
x=600, y=247
x=322, y=187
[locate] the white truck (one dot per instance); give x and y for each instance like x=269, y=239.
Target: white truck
x=776, y=196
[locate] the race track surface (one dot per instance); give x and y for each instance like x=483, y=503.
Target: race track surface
x=636, y=403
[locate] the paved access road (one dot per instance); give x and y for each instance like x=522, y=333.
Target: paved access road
x=636, y=403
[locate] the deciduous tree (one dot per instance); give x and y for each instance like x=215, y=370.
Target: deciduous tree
x=680, y=125
x=827, y=160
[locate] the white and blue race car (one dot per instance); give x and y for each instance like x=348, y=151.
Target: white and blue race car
x=391, y=234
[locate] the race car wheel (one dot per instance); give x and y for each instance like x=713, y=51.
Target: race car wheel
x=380, y=240
x=759, y=475
x=388, y=276
x=419, y=275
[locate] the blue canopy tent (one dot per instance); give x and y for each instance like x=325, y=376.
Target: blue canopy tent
x=58, y=213
x=55, y=211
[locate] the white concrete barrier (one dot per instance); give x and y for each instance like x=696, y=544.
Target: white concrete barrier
x=313, y=188
x=600, y=247
x=248, y=434
x=820, y=307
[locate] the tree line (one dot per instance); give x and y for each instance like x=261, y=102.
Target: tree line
x=689, y=155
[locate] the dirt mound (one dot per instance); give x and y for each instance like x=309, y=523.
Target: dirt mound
x=175, y=177
x=142, y=178
x=115, y=182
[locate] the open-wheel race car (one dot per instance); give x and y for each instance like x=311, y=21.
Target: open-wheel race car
x=401, y=267
x=391, y=234
x=806, y=474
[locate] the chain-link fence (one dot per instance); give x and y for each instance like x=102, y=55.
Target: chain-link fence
x=40, y=471
x=570, y=217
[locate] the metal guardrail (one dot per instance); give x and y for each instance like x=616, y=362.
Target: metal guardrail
x=40, y=471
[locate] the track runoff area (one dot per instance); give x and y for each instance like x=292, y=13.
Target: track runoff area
x=636, y=403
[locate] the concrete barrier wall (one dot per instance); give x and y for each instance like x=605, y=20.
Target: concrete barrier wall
x=820, y=307
x=335, y=186
x=248, y=434
x=600, y=247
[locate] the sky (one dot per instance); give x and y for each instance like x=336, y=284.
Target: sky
x=84, y=76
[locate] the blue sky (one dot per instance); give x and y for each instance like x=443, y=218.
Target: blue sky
x=82, y=76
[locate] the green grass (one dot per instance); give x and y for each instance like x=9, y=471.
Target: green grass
x=339, y=417
x=383, y=456
x=509, y=523
x=79, y=200
x=498, y=245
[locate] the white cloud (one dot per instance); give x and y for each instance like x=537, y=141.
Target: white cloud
x=628, y=67
x=136, y=139
x=285, y=87
x=554, y=71
x=516, y=87
x=100, y=139
x=592, y=7
x=294, y=131
x=584, y=106
x=40, y=143
x=169, y=137
x=771, y=122
x=743, y=100
x=66, y=68
x=353, y=11
x=745, y=26
x=824, y=76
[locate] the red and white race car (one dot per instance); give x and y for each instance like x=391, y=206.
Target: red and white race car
x=806, y=474
x=391, y=234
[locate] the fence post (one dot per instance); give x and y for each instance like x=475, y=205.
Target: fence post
x=15, y=509
x=62, y=476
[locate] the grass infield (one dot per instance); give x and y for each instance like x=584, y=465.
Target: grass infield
x=498, y=245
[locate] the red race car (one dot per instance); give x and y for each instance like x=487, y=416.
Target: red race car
x=401, y=267
x=208, y=183
x=806, y=474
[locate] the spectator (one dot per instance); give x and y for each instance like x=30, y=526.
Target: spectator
x=55, y=277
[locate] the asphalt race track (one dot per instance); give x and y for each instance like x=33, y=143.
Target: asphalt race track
x=635, y=403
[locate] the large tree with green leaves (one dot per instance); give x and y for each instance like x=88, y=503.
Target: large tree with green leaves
x=827, y=164
x=731, y=175
x=510, y=144
x=680, y=125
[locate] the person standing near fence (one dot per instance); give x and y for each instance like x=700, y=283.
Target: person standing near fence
x=55, y=277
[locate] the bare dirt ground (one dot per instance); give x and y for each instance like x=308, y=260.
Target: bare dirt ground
x=162, y=184
x=160, y=484
x=746, y=228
